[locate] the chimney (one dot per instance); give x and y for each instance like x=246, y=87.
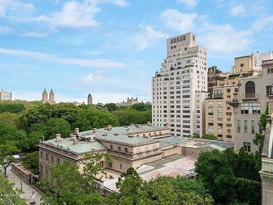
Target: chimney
x=58, y=138
x=76, y=131
x=109, y=127
x=74, y=140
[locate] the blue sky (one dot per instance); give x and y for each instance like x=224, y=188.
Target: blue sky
x=112, y=48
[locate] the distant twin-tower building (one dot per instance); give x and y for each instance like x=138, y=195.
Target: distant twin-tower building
x=45, y=98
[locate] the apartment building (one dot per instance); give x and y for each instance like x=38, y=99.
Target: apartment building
x=5, y=95
x=219, y=114
x=255, y=93
x=180, y=87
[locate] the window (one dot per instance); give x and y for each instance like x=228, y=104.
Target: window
x=119, y=148
x=250, y=108
x=46, y=156
x=111, y=146
x=252, y=126
x=247, y=146
x=239, y=126
x=120, y=165
x=250, y=89
x=58, y=161
x=270, y=70
x=245, y=126
x=52, y=159
x=269, y=90
x=41, y=154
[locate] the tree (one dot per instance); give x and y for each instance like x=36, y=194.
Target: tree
x=111, y=107
x=6, y=155
x=66, y=185
x=131, y=190
x=214, y=171
x=209, y=137
x=93, y=168
x=57, y=126
x=31, y=162
x=9, y=195
x=142, y=106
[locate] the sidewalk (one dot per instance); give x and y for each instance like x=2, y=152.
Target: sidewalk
x=29, y=193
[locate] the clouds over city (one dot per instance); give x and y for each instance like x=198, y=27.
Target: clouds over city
x=147, y=36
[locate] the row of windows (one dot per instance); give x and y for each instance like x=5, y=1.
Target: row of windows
x=244, y=128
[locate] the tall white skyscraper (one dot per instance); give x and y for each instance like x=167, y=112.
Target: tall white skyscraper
x=180, y=87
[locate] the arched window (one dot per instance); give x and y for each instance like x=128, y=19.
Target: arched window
x=250, y=89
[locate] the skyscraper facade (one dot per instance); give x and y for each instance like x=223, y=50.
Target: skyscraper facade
x=179, y=88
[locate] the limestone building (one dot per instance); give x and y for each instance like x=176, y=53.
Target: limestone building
x=129, y=102
x=255, y=92
x=129, y=146
x=5, y=95
x=180, y=87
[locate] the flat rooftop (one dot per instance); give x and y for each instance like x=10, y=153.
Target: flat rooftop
x=79, y=147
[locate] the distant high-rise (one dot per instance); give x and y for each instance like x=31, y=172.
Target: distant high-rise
x=44, y=96
x=51, y=99
x=89, y=99
x=4, y=95
x=180, y=87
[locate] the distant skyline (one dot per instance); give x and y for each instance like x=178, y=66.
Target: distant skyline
x=112, y=48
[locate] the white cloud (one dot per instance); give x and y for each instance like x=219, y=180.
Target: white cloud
x=236, y=10
x=7, y=6
x=93, y=77
x=183, y=22
x=75, y=14
x=147, y=37
x=120, y=3
x=225, y=39
x=262, y=23
x=98, y=63
x=188, y=3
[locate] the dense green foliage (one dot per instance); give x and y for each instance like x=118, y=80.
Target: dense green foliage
x=205, y=136
x=11, y=107
x=231, y=177
x=66, y=185
x=26, y=123
x=7, y=194
x=31, y=162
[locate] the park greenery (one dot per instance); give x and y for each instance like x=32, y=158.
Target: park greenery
x=24, y=124
x=222, y=177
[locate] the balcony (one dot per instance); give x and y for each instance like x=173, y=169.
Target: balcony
x=250, y=96
x=233, y=102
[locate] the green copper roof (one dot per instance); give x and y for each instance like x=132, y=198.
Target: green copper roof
x=123, y=139
x=80, y=147
x=126, y=130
